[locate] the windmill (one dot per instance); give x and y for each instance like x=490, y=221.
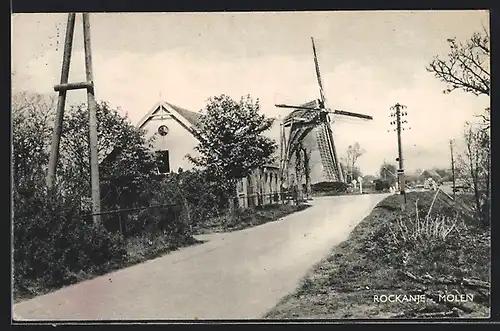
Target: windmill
x=306, y=117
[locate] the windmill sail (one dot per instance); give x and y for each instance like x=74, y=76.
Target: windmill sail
x=313, y=116
x=318, y=74
x=329, y=159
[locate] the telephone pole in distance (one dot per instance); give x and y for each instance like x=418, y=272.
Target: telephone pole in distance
x=398, y=113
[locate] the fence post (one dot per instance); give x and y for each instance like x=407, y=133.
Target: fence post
x=120, y=224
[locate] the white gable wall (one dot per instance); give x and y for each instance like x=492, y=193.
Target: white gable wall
x=179, y=141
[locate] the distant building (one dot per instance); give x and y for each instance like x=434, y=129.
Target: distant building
x=426, y=174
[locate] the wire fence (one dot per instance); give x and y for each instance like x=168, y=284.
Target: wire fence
x=131, y=221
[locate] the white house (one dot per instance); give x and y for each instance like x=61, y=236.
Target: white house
x=176, y=136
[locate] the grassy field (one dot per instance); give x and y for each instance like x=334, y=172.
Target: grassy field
x=393, y=253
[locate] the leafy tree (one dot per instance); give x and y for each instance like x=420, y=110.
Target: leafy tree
x=232, y=143
x=381, y=185
x=388, y=173
x=127, y=164
x=32, y=120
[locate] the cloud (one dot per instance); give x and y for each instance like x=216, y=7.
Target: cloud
x=134, y=81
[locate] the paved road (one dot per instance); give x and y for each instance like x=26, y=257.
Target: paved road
x=235, y=275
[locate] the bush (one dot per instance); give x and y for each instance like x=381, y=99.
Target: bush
x=52, y=243
x=381, y=185
x=330, y=187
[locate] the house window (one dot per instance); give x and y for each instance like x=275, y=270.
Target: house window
x=163, y=161
x=163, y=130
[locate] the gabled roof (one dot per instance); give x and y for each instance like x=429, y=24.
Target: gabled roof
x=188, y=118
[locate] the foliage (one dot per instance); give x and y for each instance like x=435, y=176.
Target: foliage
x=248, y=217
x=127, y=163
x=475, y=169
x=467, y=66
x=232, y=143
x=381, y=185
x=371, y=262
x=446, y=174
x=353, y=153
x=32, y=118
x=388, y=173
x=330, y=187
x=424, y=230
x=52, y=243
x=198, y=195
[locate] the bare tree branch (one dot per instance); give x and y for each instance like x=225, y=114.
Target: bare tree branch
x=466, y=67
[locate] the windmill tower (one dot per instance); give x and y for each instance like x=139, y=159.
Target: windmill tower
x=314, y=115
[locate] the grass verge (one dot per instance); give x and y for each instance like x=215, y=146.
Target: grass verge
x=390, y=252
x=149, y=246
x=138, y=249
x=249, y=217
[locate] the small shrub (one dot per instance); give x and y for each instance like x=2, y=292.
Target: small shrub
x=381, y=185
x=429, y=230
x=52, y=243
x=330, y=187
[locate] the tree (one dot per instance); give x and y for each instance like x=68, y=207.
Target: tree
x=467, y=66
x=445, y=174
x=231, y=143
x=388, y=173
x=475, y=169
x=126, y=161
x=352, y=155
x=32, y=120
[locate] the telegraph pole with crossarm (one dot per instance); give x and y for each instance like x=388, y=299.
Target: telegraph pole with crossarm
x=398, y=113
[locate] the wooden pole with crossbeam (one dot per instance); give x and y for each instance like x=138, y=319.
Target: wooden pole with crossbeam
x=62, y=88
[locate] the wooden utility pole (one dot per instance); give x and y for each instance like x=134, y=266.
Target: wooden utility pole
x=62, y=89
x=94, y=162
x=398, y=113
x=452, y=168
x=61, y=101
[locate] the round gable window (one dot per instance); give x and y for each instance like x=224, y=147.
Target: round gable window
x=163, y=130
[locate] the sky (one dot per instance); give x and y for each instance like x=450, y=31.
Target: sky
x=369, y=60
